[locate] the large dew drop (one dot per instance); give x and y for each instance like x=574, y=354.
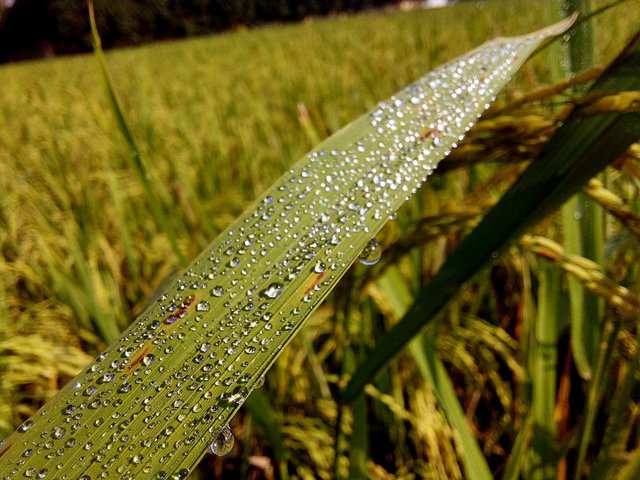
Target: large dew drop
x=223, y=443
x=371, y=253
x=273, y=290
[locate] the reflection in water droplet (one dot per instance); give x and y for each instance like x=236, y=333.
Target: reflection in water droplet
x=181, y=474
x=202, y=306
x=223, y=443
x=148, y=359
x=320, y=267
x=217, y=291
x=25, y=426
x=273, y=290
x=371, y=253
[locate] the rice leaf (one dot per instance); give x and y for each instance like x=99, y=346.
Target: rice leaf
x=135, y=154
x=434, y=372
x=153, y=403
x=520, y=448
x=631, y=470
x=582, y=222
x=260, y=409
x=582, y=147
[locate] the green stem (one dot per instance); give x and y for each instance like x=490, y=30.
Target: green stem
x=545, y=353
x=596, y=392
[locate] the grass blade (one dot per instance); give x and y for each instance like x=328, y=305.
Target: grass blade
x=258, y=406
x=433, y=370
x=134, y=151
x=548, y=325
x=597, y=390
x=583, y=235
x=520, y=449
x=151, y=404
x=582, y=223
x=583, y=146
x=359, y=443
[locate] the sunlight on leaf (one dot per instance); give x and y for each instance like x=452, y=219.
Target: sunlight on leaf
x=152, y=404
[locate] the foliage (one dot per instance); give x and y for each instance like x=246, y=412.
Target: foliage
x=74, y=226
x=163, y=392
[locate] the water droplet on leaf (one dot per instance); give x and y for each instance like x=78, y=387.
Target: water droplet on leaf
x=202, y=306
x=273, y=290
x=371, y=253
x=223, y=443
x=217, y=291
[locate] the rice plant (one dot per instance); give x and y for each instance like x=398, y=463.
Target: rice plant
x=411, y=405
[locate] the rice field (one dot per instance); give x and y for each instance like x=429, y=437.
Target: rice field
x=217, y=120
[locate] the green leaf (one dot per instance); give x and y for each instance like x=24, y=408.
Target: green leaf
x=520, y=448
x=260, y=409
x=430, y=365
x=359, y=443
x=151, y=404
x=135, y=156
x=583, y=146
x=582, y=224
x=545, y=362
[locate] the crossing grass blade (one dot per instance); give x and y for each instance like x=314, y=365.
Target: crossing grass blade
x=631, y=470
x=582, y=147
x=260, y=409
x=423, y=349
x=135, y=155
x=153, y=402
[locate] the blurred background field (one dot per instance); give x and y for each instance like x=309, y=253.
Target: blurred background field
x=218, y=119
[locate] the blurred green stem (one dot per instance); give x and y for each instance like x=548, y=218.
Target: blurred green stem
x=597, y=389
x=153, y=200
x=547, y=328
x=582, y=220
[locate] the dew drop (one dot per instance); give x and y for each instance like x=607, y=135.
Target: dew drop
x=148, y=359
x=181, y=474
x=273, y=290
x=223, y=443
x=26, y=426
x=320, y=267
x=217, y=291
x=203, y=306
x=371, y=253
